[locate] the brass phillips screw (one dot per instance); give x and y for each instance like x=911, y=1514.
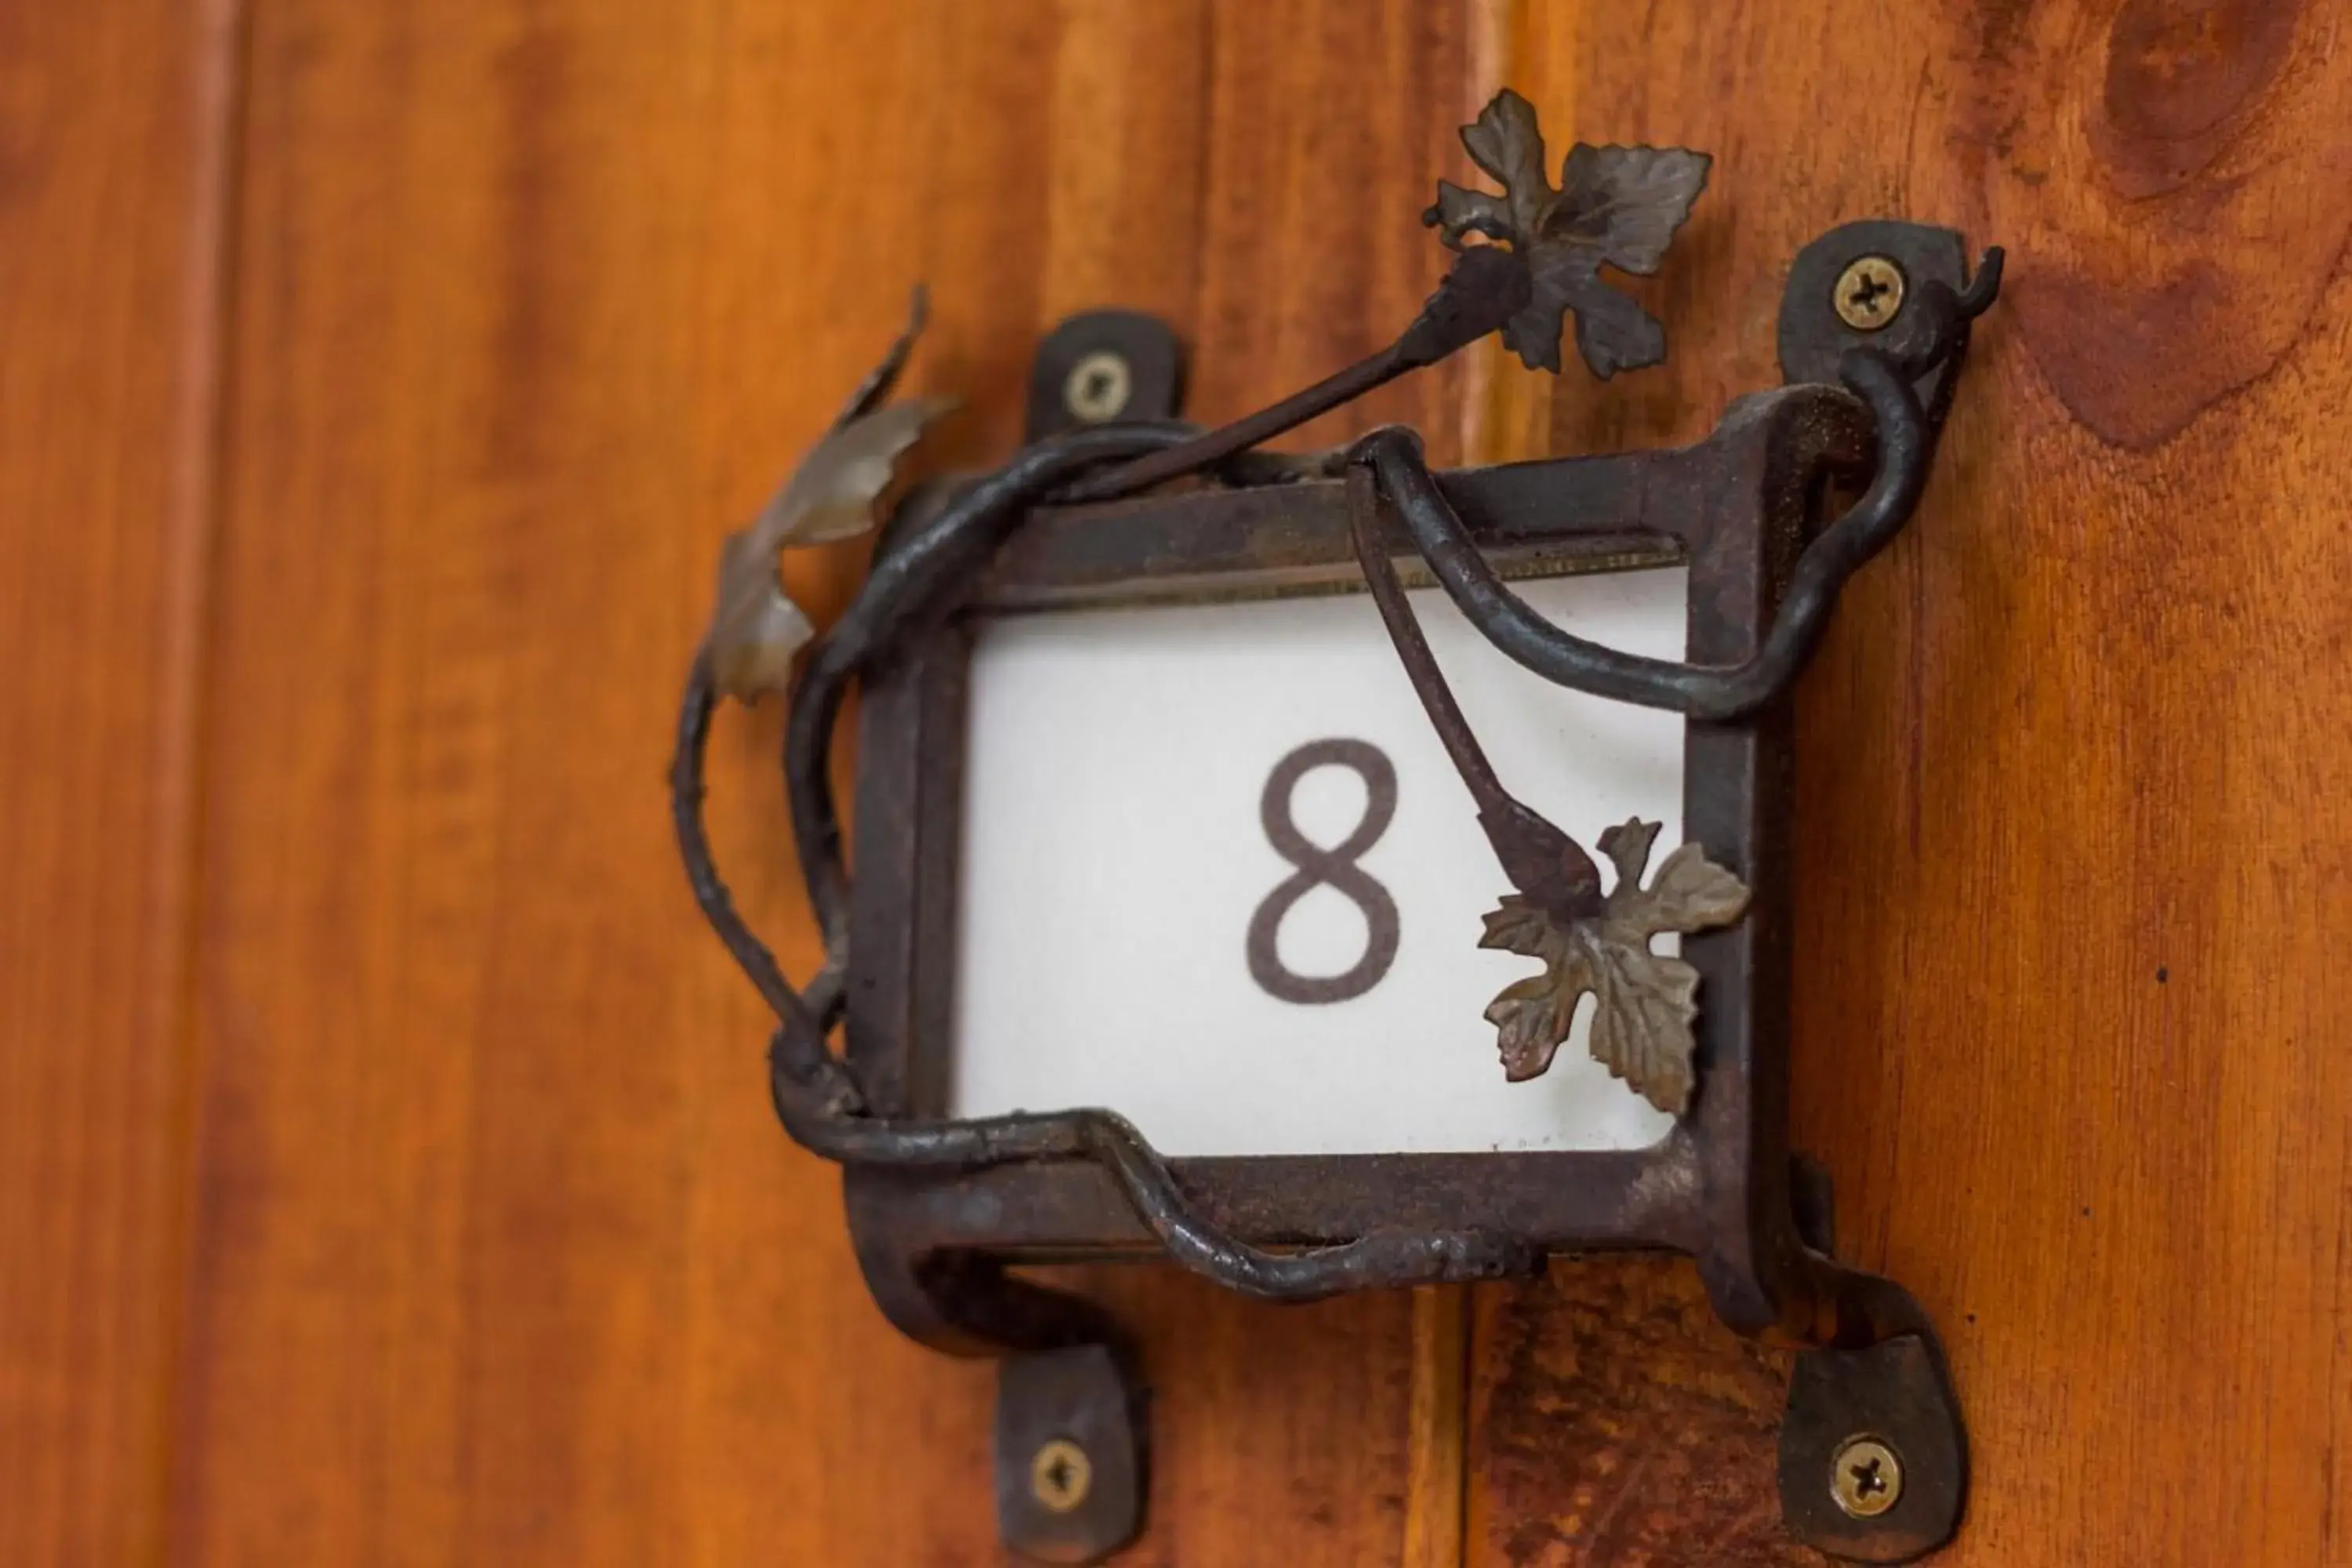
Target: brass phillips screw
x=1060, y=1475
x=1865, y=1477
x=1869, y=292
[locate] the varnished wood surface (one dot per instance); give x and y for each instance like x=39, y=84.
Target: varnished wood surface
x=385, y=1172
x=1616, y=1422
x=500, y=1254
x=112, y=191
x=2072, y=872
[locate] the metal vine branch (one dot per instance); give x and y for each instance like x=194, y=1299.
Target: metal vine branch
x=1644, y=1002
x=1614, y=205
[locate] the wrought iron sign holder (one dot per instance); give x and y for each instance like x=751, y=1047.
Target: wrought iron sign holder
x=1797, y=489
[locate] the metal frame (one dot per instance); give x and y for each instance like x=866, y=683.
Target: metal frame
x=1734, y=510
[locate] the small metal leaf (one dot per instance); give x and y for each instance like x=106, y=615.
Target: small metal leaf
x=1507, y=142
x=750, y=650
x=1620, y=205
x=1645, y=1003
x=1519, y=926
x=1531, y=1019
x=831, y=495
x=1642, y=1023
x=755, y=628
x=1627, y=202
x=1690, y=892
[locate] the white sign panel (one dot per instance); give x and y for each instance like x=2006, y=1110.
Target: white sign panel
x=1119, y=838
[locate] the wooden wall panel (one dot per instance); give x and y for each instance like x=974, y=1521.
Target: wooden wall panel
x=384, y=1173
x=500, y=1254
x=1615, y=1421
x=113, y=127
x=2073, y=860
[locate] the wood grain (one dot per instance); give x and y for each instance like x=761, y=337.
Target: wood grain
x=1437, y=1459
x=384, y=1173
x=2071, y=870
x=1618, y=1422
x=113, y=185
x=500, y=1254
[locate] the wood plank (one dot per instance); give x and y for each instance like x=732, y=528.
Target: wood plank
x=500, y=1257
x=113, y=184
x=2072, y=867
x=1437, y=1460
x=1615, y=1421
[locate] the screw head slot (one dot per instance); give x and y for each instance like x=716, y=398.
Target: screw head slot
x=1865, y=1477
x=1869, y=292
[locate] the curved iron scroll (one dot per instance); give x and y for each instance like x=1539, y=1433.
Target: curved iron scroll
x=1882, y=378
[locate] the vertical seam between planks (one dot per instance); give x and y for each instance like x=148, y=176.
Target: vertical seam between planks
x=1206, y=139
x=202, y=430
x=1436, y=1473
x=1488, y=57
x=1497, y=44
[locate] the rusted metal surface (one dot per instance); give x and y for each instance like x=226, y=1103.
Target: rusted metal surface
x=1550, y=870
x=1563, y=514
x=1071, y=1460
x=1645, y=1002
x=1873, y=1457
x=1482, y=290
x=1614, y=205
x=913, y=583
x=1736, y=508
x=1729, y=505
x=1814, y=333
x=1104, y=365
x=1881, y=376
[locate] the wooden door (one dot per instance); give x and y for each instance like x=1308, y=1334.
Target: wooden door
x=385, y=1174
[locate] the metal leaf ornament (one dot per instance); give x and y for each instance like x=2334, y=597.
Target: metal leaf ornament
x=1615, y=204
x=1645, y=1002
x=834, y=493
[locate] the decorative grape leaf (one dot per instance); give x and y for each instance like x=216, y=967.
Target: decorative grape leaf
x=1644, y=1002
x=1615, y=204
x=755, y=627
